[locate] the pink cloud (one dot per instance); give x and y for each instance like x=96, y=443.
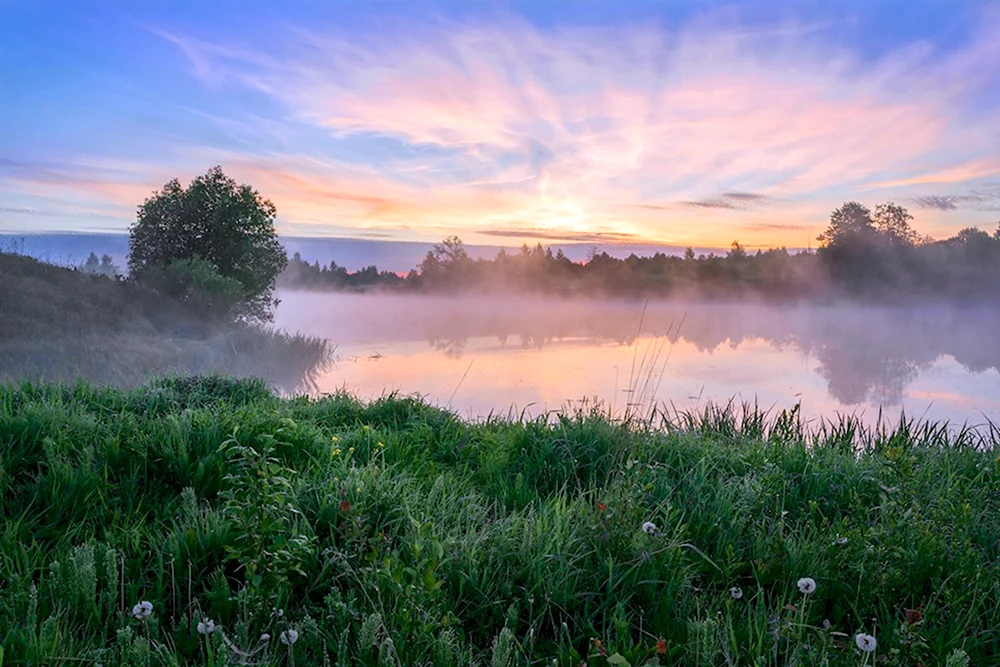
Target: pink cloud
x=622, y=114
x=599, y=129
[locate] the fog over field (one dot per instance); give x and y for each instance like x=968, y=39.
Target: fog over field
x=482, y=354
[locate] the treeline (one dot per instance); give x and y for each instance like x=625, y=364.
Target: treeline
x=873, y=254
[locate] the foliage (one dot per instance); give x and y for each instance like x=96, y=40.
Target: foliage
x=228, y=225
x=875, y=256
x=61, y=324
x=400, y=534
x=197, y=284
x=104, y=266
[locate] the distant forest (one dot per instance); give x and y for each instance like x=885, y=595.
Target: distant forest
x=863, y=253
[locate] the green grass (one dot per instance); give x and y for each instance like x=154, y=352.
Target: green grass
x=57, y=324
x=393, y=532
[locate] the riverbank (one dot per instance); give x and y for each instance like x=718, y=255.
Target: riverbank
x=393, y=532
x=59, y=324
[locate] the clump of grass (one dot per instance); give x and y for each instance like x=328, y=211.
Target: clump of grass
x=206, y=520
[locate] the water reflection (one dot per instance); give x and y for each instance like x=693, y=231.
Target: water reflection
x=861, y=356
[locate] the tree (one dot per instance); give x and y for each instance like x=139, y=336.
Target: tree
x=103, y=266
x=446, y=264
x=228, y=225
x=892, y=222
x=197, y=283
x=92, y=265
x=850, y=222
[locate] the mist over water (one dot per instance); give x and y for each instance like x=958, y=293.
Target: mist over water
x=481, y=355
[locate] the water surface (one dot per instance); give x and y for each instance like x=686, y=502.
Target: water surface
x=502, y=354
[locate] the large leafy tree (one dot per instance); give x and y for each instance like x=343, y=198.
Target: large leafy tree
x=216, y=221
x=851, y=223
x=893, y=222
x=849, y=249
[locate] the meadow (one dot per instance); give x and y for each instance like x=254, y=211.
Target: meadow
x=208, y=521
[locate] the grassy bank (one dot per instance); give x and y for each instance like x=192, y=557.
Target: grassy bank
x=57, y=324
x=395, y=533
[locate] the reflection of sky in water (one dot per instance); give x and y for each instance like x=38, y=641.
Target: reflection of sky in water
x=499, y=355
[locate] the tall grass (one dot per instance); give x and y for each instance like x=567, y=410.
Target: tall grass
x=393, y=532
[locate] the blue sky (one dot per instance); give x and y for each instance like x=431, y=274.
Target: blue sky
x=685, y=122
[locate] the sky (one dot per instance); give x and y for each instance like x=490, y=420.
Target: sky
x=690, y=122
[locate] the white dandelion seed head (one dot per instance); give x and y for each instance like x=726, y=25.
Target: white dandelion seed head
x=265, y=637
x=142, y=609
x=865, y=642
x=650, y=528
x=206, y=627
x=827, y=624
x=289, y=637
x=807, y=585
x=278, y=613
x=736, y=592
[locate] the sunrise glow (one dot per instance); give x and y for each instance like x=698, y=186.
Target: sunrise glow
x=681, y=125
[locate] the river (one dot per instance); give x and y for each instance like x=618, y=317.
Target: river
x=483, y=355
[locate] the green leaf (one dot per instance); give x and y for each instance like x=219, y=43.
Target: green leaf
x=618, y=659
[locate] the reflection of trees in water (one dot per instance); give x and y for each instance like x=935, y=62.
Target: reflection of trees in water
x=453, y=348
x=854, y=378
x=864, y=354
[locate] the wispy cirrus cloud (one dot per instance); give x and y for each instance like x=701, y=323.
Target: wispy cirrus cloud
x=985, y=199
x=550, y=235
x=565, y=125
x=695, y=132
x=731, y=201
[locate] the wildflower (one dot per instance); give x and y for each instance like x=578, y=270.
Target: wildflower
x=350, y=450
x=807, y=585
x=278, y=613
x=345, y=506
x=913, y=616
x=602, y=506
x=661, y=646
x=827, y=624
x=142, y=610
x=289, y=637
x=600, y=647
x=650, y=529
x=334, y=439
x=206, y=627
x=865, y=642
x=381, y=445
x=735, y=592
x=265, y=637
x=841, y=541
x=336, y=452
